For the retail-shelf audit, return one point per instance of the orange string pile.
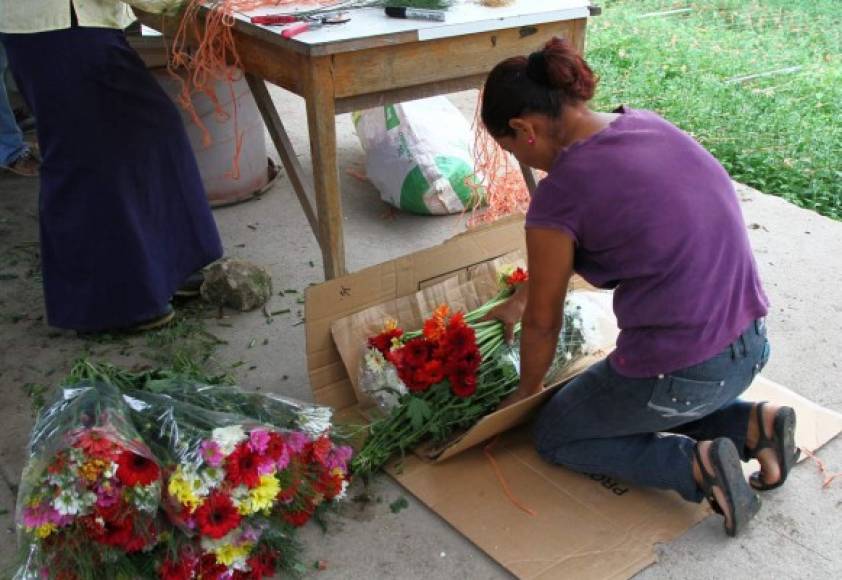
(822, 467)
(497, 181)
(215, 58)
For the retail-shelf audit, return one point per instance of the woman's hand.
(510, 312)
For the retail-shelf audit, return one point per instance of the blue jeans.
(11, 138)
(643, 431)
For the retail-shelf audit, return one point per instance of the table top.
(370, 27)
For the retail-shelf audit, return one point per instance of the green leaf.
(419, 411)
(398, 505)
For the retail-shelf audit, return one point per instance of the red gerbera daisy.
(320, 449)
(276, 446)
(297, 518)
(217, 516)
(328, 485)
(183, 568)
(471, 360)
(210, 569)
(459, 340)
(120, 533)
(516, 277)
(434, 372)
(416, 382)
(262, 565)
(383, 341)
(416, 352)
(463, 384)
(134, 469)
(241, 468)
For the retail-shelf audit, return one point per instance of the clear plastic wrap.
(89, 494)
(269, 408)
(231, 481)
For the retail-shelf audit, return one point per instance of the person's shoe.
(192, 286)
(724, 485)
(27, 165)
(153, 323)
(779, 440)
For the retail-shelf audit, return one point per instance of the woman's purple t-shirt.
(655, 216)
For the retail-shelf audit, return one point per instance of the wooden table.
(374, 60)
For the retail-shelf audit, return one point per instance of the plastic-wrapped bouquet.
(89, 496)
(235, 485)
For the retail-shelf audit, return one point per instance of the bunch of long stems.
(436, 414)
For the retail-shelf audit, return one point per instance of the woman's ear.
(522, 127)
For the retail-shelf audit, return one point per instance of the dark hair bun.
(561, 67)
(536, 68)
(545, 82)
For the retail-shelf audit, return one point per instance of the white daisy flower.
(228, 437)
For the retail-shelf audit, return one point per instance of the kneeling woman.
(632, 203)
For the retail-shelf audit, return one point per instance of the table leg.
(321, 120)
(280, 138)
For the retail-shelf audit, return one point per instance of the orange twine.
(497, 180)
(822, 467)
(501, 478)
(215, 58)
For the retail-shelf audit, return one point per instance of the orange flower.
(435, 326)
(92, 469)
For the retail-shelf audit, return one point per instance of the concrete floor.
(798, 252)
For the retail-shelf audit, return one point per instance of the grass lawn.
(758, 82)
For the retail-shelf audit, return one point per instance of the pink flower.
(339, 457)
(259, 441)
(42, 514)
(266, 465)
(250, 535)
(211, 453)
(107, 496)
(283, 460)
(297, 440)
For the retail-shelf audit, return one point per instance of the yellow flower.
(261, 497)
(181, 488)
(228, 554)
(45, 530)
(92, 468)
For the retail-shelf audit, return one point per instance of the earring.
(531, 141)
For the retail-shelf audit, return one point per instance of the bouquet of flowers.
(89, 495)
(235, 485)
(442, 379)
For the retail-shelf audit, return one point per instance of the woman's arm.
(550, 268)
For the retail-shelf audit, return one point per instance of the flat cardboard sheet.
(584, 527)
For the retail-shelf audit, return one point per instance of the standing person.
(15, 155)
(632, 203)
(123, 213)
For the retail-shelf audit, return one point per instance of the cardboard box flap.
(508, 418)
(338, 298)
(583, 527)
